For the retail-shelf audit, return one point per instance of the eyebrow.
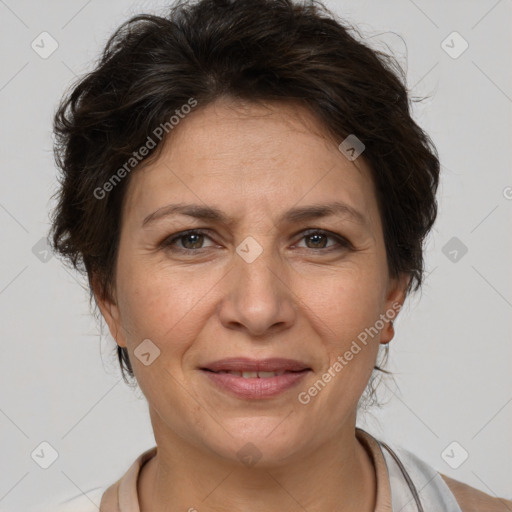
(294, 215)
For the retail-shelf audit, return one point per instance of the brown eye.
(192, 240)
(318, 239)
(187, 241)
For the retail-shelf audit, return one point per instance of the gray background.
(452, 352)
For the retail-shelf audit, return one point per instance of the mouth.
(254, 375)
(260, 366)
(255, 379)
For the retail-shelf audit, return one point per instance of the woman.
(248, 194)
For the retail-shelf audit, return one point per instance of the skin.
(303, 298)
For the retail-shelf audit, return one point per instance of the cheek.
(347, 303)
(351, 348)
(346, 314)
(166, 308)
(163, 306)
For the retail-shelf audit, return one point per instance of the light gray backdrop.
(452, 352)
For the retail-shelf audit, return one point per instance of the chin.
(259, 441)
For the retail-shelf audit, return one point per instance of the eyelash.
(169, 241)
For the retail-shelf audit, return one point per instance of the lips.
(260, 366)
(255, 379)
(255, 375)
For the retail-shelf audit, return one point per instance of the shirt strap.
(416, 486)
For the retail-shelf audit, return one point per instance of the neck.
(338, 476)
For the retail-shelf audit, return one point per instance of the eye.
(317, 239)
(190, 240)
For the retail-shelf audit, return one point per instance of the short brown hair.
(255, 50)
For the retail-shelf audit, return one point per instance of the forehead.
(240, 156)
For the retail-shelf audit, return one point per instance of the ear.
(395, 298)
(110, 312)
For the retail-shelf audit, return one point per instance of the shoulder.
(436, 489)
(474, 500)
(106, 499)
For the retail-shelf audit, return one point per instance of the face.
(252, 285)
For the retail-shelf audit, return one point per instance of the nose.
(257, 296)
